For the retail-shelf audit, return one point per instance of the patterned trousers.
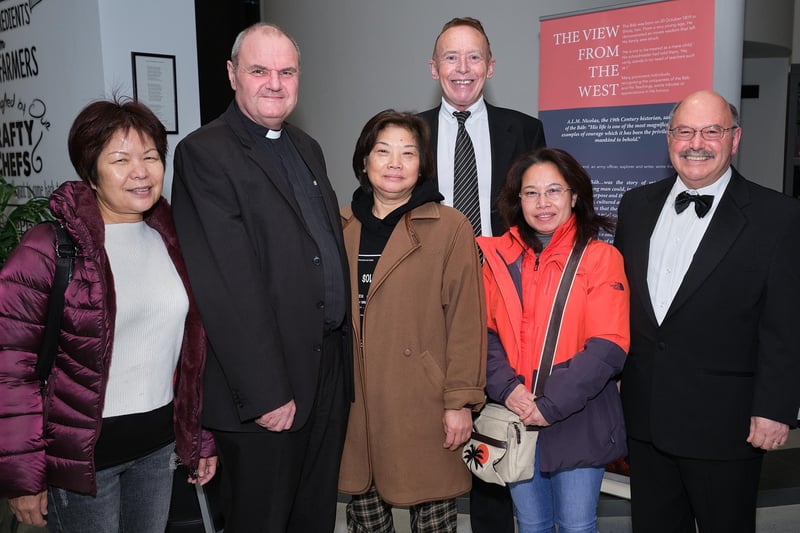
(368, 513)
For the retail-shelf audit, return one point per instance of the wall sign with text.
(608, 80)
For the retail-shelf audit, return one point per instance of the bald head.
(713, 125)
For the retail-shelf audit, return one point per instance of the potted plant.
(14, 220)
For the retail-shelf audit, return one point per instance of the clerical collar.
(258, 129)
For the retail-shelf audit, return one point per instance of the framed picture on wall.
(154, 85)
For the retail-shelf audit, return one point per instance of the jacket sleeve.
(227, 283)
(25, 282)
(606, 319)
(463, 300)
(776, 395)
(207, 446)
(501, 379)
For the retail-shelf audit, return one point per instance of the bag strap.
(65, 258)
(556, 315)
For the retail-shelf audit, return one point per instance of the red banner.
(646, 54)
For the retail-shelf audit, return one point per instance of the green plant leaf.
(15, 220)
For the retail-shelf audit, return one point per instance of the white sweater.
(151, 311)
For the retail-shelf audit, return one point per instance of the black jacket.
(255, 271)
(727, 347)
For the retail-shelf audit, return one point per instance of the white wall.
(81, 51)
(796, 34)
(770, 22)
(761, 151)
(65, 70)
(154, 27)
(361, 56)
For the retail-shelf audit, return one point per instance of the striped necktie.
(465, 175)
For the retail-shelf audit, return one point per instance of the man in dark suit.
(462, 62)
(259, 226)
(710, 383)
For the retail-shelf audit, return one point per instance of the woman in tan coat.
(419, 334)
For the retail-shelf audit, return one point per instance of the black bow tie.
(702, 203)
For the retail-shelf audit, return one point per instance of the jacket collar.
(74, 205)
(510, 245)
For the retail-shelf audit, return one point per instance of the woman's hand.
(457, 427)
(520, 402)
(205, 470)
(30, 509)
(535, 418)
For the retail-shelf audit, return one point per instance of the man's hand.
(767, 434)
(30, 509)
(457, 427)
(279, 419)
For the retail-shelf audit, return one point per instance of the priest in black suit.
(710, 383)
(462, 62)
(259, 226)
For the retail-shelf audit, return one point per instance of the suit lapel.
(317, 169)
(432, 118)
(260, 158)
(638, 250)
(502, 142)
(722, 232)
(402, 243)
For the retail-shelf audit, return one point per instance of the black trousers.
(490, 508)
(287, 481)
(669, 493)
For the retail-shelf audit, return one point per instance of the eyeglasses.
(551, 194)
(709, 133)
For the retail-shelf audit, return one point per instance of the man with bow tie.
(710, 382)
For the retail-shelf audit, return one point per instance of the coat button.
(320, 305)
(662, 345)
(317, 261)
(407, 352)
(317, 347)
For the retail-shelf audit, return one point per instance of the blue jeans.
(133, 497)
(565, 497)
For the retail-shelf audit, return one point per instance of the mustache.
(696, 153)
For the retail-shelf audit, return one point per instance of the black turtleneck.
(375, 232)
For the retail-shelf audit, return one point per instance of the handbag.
(502, 449)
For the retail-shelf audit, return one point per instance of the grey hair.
(266, 27)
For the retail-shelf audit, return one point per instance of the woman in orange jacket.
(547, 203)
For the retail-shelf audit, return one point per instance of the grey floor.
(778, 511)
(783, 519)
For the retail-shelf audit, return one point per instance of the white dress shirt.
(674, 242)
(477, 125)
